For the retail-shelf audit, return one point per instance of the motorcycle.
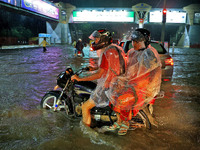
(79, 53)
(74, 94)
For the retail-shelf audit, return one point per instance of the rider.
(79, 46)
(139, 85)
(111, 63)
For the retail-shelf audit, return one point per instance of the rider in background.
(79, 46)
(140, 84)
(74, 45)
(111, 63)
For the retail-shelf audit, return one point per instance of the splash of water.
(97, 138)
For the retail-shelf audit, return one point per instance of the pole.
(173, 48)
(163, 26)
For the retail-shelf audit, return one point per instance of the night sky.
(129, 3)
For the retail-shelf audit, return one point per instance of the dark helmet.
(146, 33)
(137, 36)
(105, 39)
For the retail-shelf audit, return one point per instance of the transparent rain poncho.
(114, 56)
(140, 83)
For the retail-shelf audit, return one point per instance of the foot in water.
(123, 128)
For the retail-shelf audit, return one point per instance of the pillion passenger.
(135, 89)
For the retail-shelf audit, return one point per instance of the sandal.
(113, 127)
(123, 129)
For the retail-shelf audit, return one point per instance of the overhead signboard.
(44, 35)
(41, 7)
(155, 16)
(176, 17)
(103, 16)
(172, 17)
(12, 2)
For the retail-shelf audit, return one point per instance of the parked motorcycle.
(74, 94)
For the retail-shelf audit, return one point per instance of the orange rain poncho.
(140, 84)
(111, 60)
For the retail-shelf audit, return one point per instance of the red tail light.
(122, 44)
(169, 61)
(126, 57)
(166, 79)
(91, 49)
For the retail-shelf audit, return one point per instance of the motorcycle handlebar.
(82, 70)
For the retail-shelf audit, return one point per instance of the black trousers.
(44, 49)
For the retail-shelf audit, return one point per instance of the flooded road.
(27, 74)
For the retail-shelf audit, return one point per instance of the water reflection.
(26, 75)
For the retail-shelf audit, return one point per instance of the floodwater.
(27, 74)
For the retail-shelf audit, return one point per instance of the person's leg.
(82, 53)
(116, 124)
(117, 110)
(86, 107)
(139, 102)
(123, 113)
(44, 49)
(119, 121)
(75, 52)
(125, 117)
(123, 128)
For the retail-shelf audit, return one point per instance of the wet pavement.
(27, 74)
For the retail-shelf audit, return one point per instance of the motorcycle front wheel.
(49, 101)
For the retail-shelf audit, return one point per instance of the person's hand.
(91, 68)
(75, 77)
(106, 84)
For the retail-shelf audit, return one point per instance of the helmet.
(105, 39)
(146, 35)
(137, 36)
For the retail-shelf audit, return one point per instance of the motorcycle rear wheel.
(140, 120)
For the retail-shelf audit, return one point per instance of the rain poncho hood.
(141, 82)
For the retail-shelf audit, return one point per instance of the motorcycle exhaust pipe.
(105, 118)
